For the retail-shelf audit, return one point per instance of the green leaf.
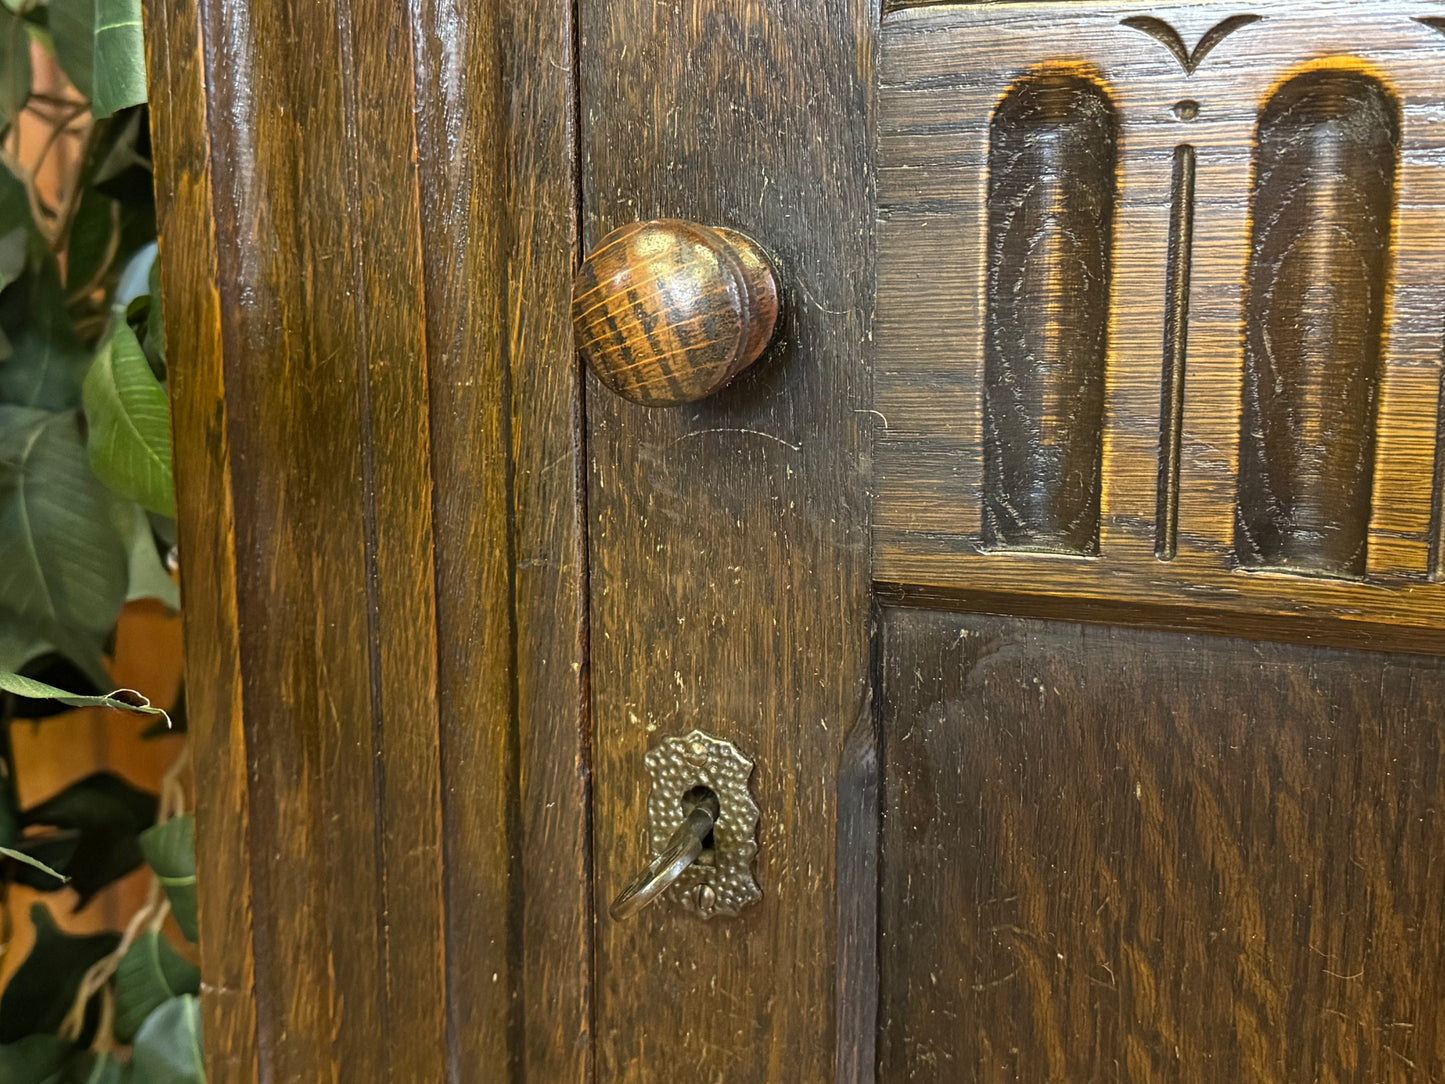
(121, 700)
(9, 808)
(14, 249)
(155, 336)
(170, 848)
(148, 575)
(35, 1059)
(94, 233)
(14, 203)
(120, 165)
(52, 849)
(34, 863)
(151, 972)
(15, 73)
(72, 28)
(109, 815)
(118, 67)
(91, 1068)
(43, 987)
(130, 423)
(47, 360)
(63, 567)
(167, 1049)
(20, 643)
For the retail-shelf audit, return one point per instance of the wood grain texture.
(1120, 854)
(206, 533)
(496, 139)
(390, 283)
(727, 537)
(859, 789)
(1052, 182)
(325, 389)
(1322, 201)
(1196, 75)
(461, 132)
(668, 312)
(549, 512)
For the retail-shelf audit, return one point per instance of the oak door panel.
(1123, 854)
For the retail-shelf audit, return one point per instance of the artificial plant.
(86, 523)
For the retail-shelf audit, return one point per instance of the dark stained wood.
(451, 590)
(727, 537)
(668, 312)
(1288, 469)
(325, 394)
(1122, 854)
(549, 515)
(402, 625)
(206, 527)
(859, 786)
(1323, 198)
(496, 140)
(461, 135)
(372, 249)
(1052, 185)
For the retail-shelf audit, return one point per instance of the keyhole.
(704, 797)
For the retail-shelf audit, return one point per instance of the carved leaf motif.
(1167, 36)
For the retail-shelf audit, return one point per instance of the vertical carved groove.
(1437, 491)
(1052, 177)
(1176, 344)
(1322, 205)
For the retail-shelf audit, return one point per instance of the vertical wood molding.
(206, 531)
(728, 538)
(549, 492)
(461, 146)
(382, 372)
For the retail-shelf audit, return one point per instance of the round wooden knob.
(668, 312)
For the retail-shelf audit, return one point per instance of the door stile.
(729, 561)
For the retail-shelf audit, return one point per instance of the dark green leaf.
(118, 69)
(170, 849)
(109, 814)
(9, 804)
(63, 567)
(43, 987)
(47, 360)
(94, 240)
(148, 575)
(35, 864)
(167, 1049)
(151, 972)
(14, 249)
(20, 643)
(14, 204)
(155, 336)
(15, 74)
(88, 1067)
(35, 1059)
(130, 428)
(121, 699)
(53, 849)
(99, 798)
(72, 29)
(120, 166)
(51, 667)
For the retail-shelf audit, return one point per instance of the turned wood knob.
(668, 312)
